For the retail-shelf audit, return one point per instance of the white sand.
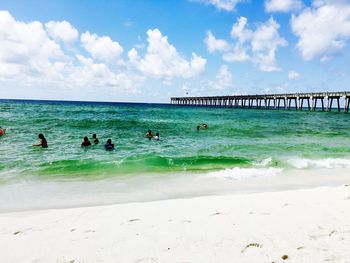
(311, 225)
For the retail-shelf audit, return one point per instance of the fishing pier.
(328, 101)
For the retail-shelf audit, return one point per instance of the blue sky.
(149, 50)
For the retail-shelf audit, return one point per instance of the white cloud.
(293, 75)
(163, 61)
(259, 46)
(242, 34)
(265, 42)
(237, 54)
(282, 5)
(25, 49)
(34, 65)
(63, 31)
(240, 31)
(227, 5)
(223, 79)
(322, 30)
(99, 74)
(213, 44)
(102, 48)
(30, 59)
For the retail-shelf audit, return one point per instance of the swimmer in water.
(94, 138)
(204, 126)
(157, 136)
(149, 134)
(2, 131)
(109, 146)
(86, 142)
(43, 142)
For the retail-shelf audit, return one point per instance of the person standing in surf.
(95, 139)
(43, 142)
(85, 142)
(2, 131)
(149, 134)
(109, 146)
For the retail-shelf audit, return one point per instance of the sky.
(151, 50)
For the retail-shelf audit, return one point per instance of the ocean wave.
(264, 162)
(245, 173)
(329, 163)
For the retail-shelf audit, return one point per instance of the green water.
(235, 138)
(241, 151)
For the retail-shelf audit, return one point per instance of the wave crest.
(245, 173)
(329, 163)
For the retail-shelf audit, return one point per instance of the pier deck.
(297, 101)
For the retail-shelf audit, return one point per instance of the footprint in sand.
(257, 245)
(216, 214)
(146, 260)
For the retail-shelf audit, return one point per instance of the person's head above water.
(43, 142)
(94, 136)
(149, 134)
(86, 139)
(109, 141)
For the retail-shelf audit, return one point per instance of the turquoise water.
(237, 142)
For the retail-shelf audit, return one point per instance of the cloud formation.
(26, 49)
(163, 61)
(259, 45)
(214, 44)
(101, 48)
(282, 5)
(32, 56)
(63, 31)
(323, 30)
(223, 79)
(293, 75)
(226, 5)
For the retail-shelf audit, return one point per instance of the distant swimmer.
(202, 127)
(86, 142)
(109, 146)
(94, 138)
(2, 131)
(149, 134)
(43, 142)
(157, 136)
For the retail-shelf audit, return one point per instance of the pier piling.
(264, 101)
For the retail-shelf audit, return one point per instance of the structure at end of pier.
(297, 101)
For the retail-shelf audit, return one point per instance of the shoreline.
(55, 194)
(306, 225)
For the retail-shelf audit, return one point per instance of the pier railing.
(297, 101)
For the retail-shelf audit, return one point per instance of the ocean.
(241, 150)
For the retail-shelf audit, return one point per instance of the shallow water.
(238, 145)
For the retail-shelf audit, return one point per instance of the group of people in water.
(149, 135)
(86, 142)
(109, 146)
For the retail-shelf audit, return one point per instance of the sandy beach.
(309, 225)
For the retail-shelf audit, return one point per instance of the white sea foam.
(329, 163)
(264, 162)
(245, 173)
